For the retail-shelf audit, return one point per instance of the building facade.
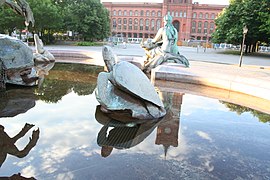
(192, 20)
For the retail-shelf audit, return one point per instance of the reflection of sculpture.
(163, 47)
(42, 71)
(17, 177)
(7, 144)
(127, 89)
(122, 136)
(16, 101)
(22, 8)
(41, 54)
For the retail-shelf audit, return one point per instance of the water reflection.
(168, 129)
(7, 144)
(199, 138)
(240, 109)
(127, 135)
(16, 100)
(121, 136)
(65, 78)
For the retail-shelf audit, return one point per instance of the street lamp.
(206, 42)
(245, 30)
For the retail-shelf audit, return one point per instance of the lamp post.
(206, 42)
(245, 30)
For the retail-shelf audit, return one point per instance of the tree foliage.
(254, 14)
(265, 118)
(87, 17)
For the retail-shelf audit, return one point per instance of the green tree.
(252, 13)
(10, 20)
(47, 19)
(89, 18)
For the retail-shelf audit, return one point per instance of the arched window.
(141, 24)
(176, 14)
(147, 13)
(201, 15)
(142, 13)
(130, 13)
(158, 24)
(194, 15)
(206, 16)
(114, 24)
(205, 27)
(119, 24)
(125, 13)
(114, 12)
(119, 13)
(181, 14)
(176, 24)
(159, 13)
(135, 24)
(185, 14)
(147, 24)
(129, 24)
(213, 16)
(169, 13)
(136, 13)
(124, 24)
(212, 26)
(172, 13)
(193, 27)
(152, 25)
(199, 27)
(153, 13)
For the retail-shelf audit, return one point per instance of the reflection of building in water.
(167, 131)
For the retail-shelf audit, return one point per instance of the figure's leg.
(24, 130)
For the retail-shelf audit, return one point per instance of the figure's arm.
(158, 36)
(24, 130)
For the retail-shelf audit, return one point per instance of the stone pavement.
(210, 69)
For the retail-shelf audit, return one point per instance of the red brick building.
(142, 20)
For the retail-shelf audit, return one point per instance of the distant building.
(193, 21)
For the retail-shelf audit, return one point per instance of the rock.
(17, 58)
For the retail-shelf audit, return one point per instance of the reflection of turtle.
(127, 89)
(122, 136)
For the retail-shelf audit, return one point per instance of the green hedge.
(86, 43)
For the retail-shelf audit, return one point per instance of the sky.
(223, 2)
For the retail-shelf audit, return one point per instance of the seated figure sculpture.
(126, 89)
(163, 47)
